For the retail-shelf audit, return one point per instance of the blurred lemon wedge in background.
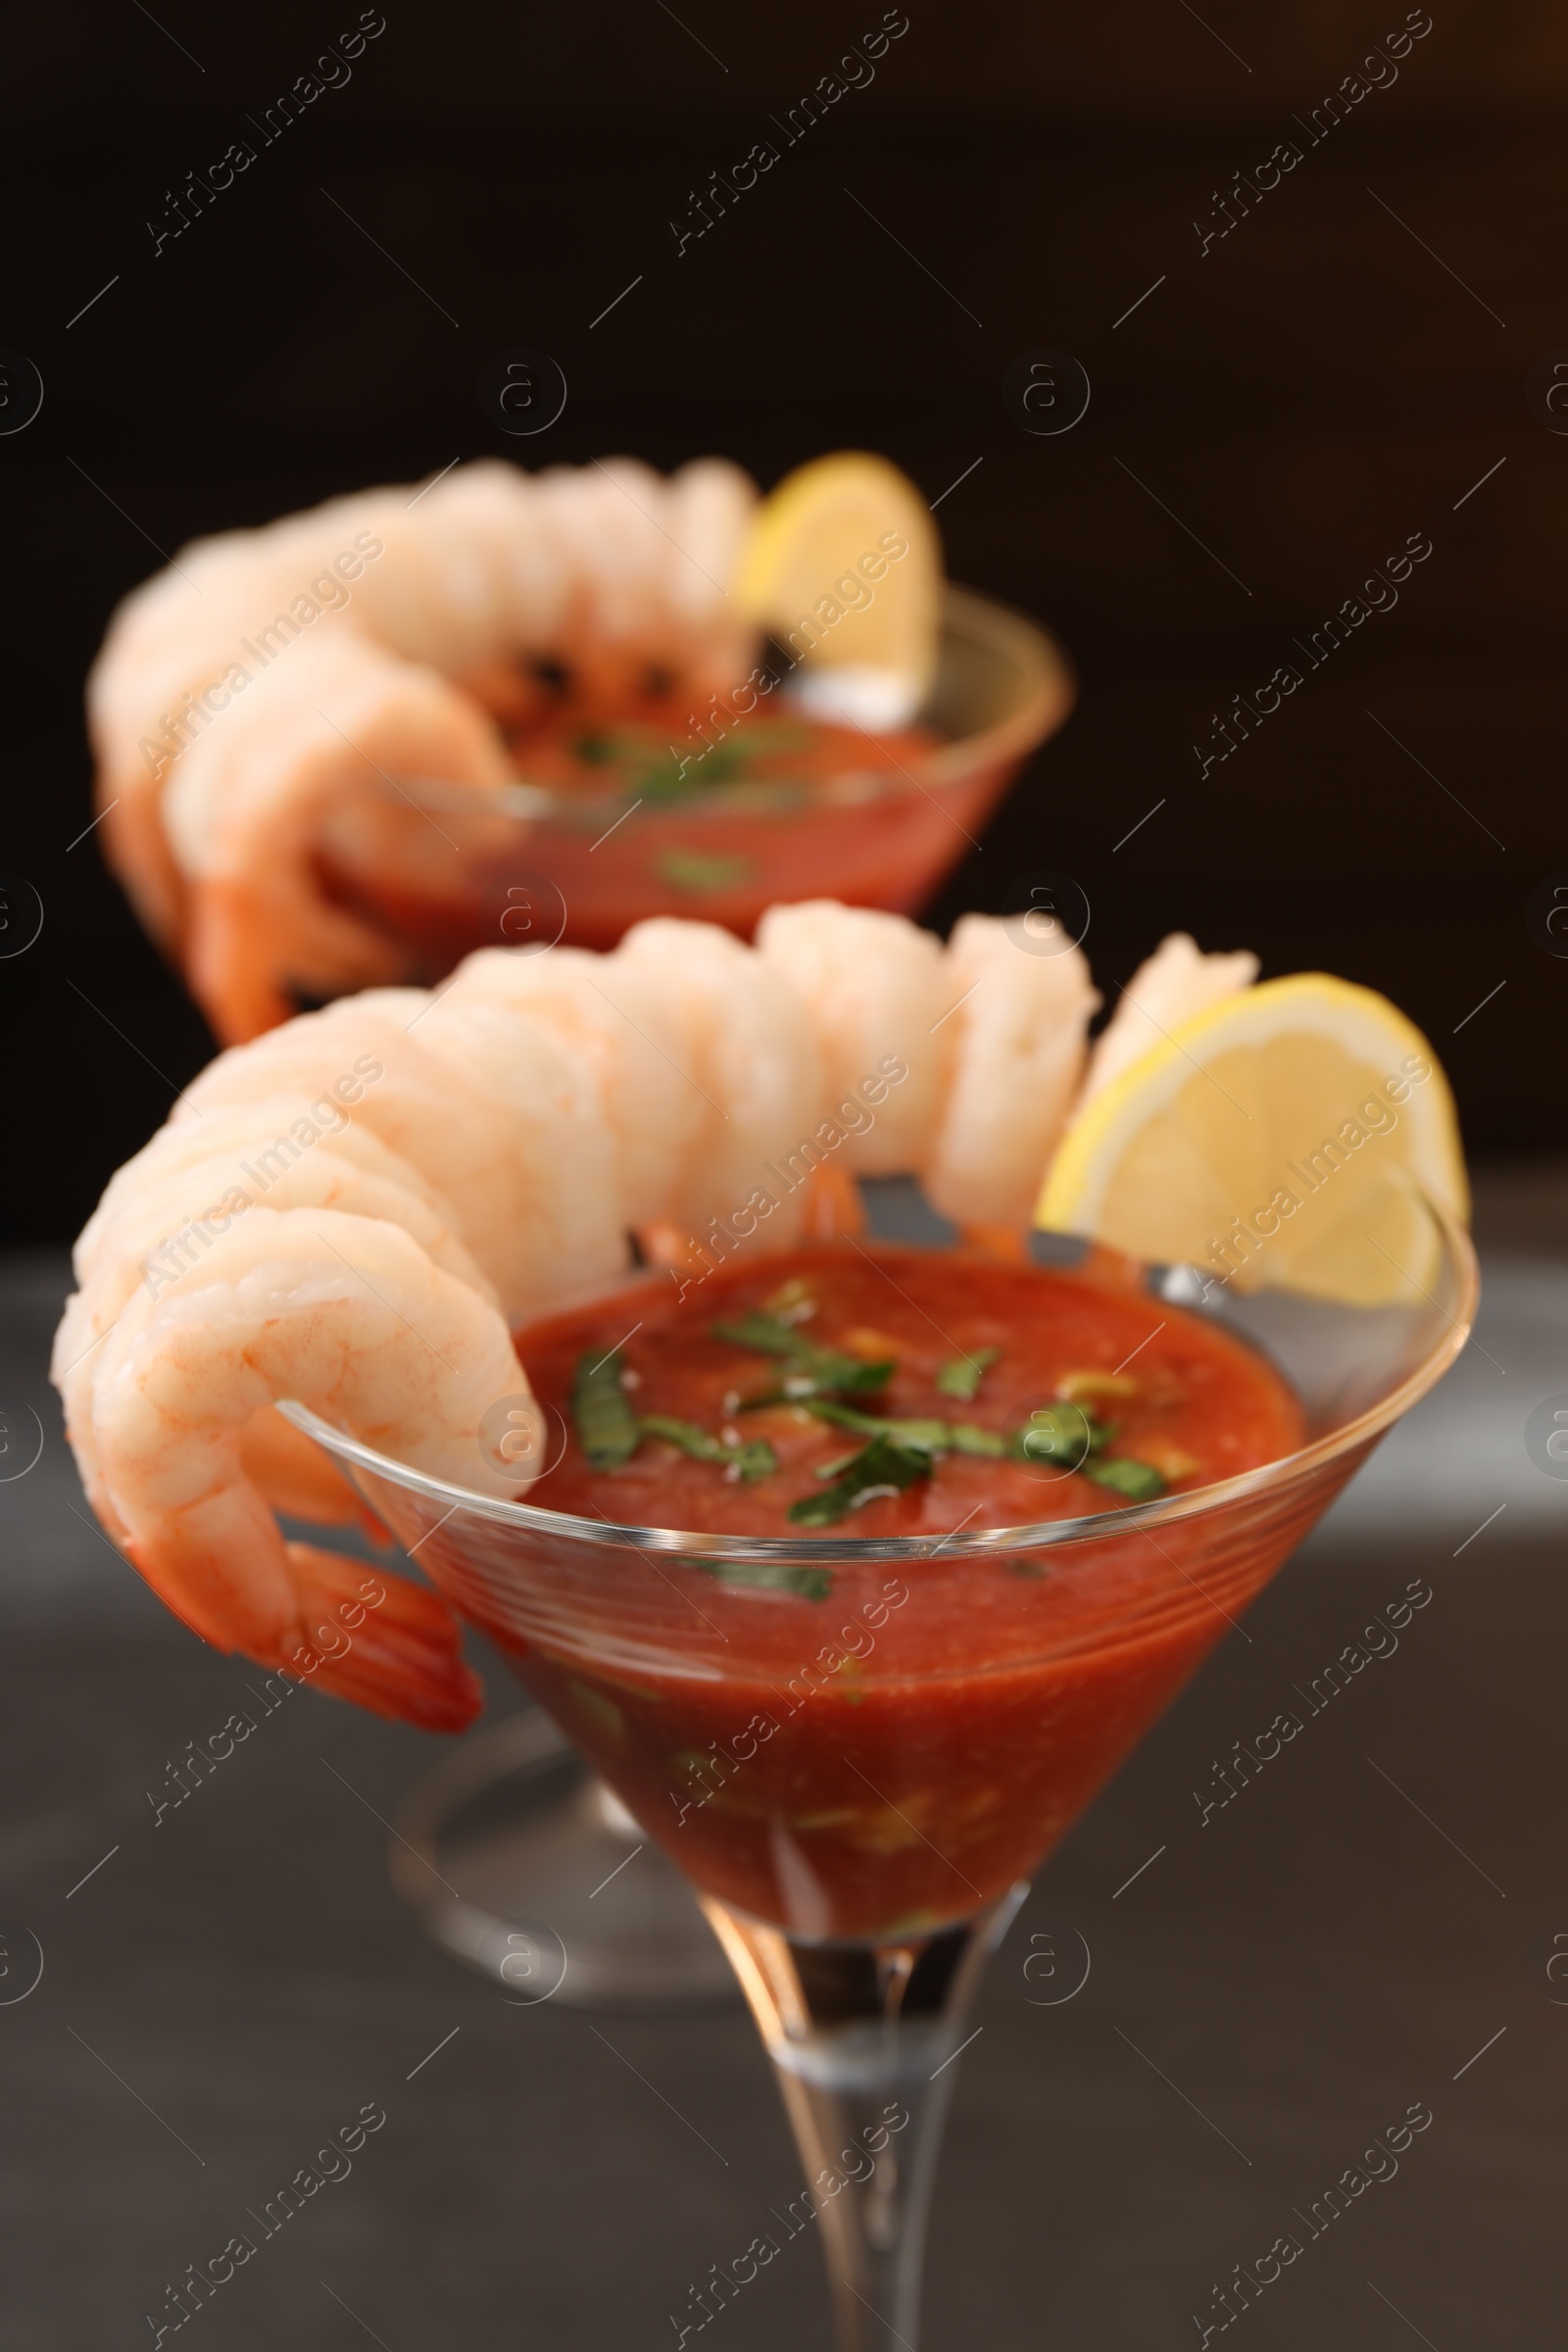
(1281, 1139)
(843, 566)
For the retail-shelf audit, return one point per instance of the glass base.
(521, 1864)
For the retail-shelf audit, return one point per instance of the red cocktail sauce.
(620, 843)
(902, 1745)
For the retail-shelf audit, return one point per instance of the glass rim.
(1049, 693)
(982, 1542)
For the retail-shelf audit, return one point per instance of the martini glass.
(860, 1838)
(530, 863)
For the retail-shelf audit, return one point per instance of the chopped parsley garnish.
(960, 1376)
(1138, 1482)
(769, 738)
(699, 872)
(767, 1335)
(597, 747)
(753, 1461)
(901, 1451)
(674, 777)
(610, 1432)
(969, 1437)
(677, 776)
(927, 1436)
(810, 1371)
(1058, 1432)
(1054, 1432)
(884, 1467)
(898, 1453)
(810, 1583)
(656, 772)
(607, 1426)
(653, 768)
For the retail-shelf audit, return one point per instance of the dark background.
(1304, 396)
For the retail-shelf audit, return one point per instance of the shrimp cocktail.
(354, 745)
(853, 1567)
(887, 1392)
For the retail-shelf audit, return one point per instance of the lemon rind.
(1369, 1025)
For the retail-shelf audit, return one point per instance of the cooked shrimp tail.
(384, 1644)
(1175, 983)
(225, 773)
(349, 1315)
(298, 1479)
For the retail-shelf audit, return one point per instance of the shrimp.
(1019, 1060)
(874, 987)
(341, 715)
(349, 1315)
(652, 564)
(989, 1035)
(353, 1210)
(652, 1125)
(237, 1129)
(743, 1048)
(179, 650)
(168, 1226)
(526, 1181)
(270, 681)
(1176, 982)
(212, 1167)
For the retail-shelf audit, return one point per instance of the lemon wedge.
(1281, 1138)
(843, 566)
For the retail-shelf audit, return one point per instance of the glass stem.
(862, 2038)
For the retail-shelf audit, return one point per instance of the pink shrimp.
(351, 1209)
(347, 1315)
(270, 681)
(1176, 982)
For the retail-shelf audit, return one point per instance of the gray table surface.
(1270, 1993)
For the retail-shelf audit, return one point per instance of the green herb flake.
(1137, 1481)
(969, 1437)
(663, 779)
(811, 1371)
(701, 873)
(682, 774)
(769, 738)
(824, 1375)
(753, 1461)
(1054, 1433)
(807, 1583)
(607, 1427)
(726, 763)
(597, 748)
(767, 1335)
(881, 1465)
(686, 1435)
(960, 1376)
(928, 1437)
(601, 1712)
(853, 1372)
